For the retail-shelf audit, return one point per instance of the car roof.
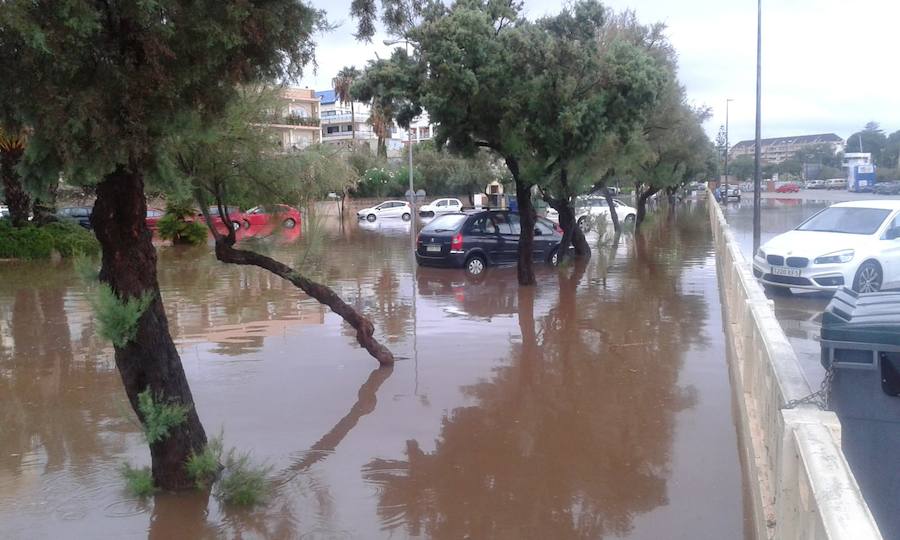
(876, 203)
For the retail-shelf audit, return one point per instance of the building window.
(348, 128)
(333, 129)
(423, 132)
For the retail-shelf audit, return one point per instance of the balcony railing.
(293, 120)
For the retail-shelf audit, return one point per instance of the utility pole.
(756, 179)
(727, 101)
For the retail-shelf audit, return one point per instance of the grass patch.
(32, 242)
(203, 468)
(138, 482)
(159, 416)
(242, 483)
(117, 320)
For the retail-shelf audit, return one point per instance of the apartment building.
(778, 149)
(339, 120)
(297, 120)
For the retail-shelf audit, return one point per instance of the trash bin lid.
(872, 318)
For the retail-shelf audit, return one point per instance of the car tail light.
(557, 228)
(456, 243)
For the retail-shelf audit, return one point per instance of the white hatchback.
(852, 244)
(387, 209)
(589, 208)
(440, 206)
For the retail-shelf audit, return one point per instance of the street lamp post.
(756, 177)
(727, 101)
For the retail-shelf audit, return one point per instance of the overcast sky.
(828, 65)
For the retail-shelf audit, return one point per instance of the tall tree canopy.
(103, 85)
(871, 139)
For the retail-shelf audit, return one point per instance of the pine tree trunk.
(617, 226)
(150, 361)
(572, 233)
(642, 205)
(17, 198)
(527, 219)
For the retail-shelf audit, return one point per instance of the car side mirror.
(893, 233)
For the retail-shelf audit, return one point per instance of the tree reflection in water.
(572, 437)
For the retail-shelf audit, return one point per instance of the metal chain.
(821, 398)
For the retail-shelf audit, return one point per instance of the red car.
(787, 188)
(260, 216)
(234, 214)
(153, 217)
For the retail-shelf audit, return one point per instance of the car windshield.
(449, 222)
(846, 220)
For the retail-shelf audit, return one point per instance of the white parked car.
(587, 208)
(4, 210)
(440, 206)
(852, 244)
(387, 209)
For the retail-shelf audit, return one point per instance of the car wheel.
(406, 216)
(246, 224)
(584, 224)
(629, 219)
(370, 217)
(235, 225)
(868, 278)
(554, 257)
(475, 265)
(289, 223)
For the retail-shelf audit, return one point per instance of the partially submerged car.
(479, 239)
(387, 209)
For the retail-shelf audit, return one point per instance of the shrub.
(176, 226)
(159, 416)
(32, 242)
(203, 468)
(138, 482)
(118, 319)
(242, 483)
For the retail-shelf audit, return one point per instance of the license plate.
(784, 271)
(433, 248)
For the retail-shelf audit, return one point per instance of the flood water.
(595, 405)
(800, 313)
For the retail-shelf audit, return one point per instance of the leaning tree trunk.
(642, 205)
(17, 198)
(617, 226)
(227, 253)
(527, 219)
(572, 233)
(150, 361)
(45, 210)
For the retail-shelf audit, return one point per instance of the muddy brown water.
(595, 405)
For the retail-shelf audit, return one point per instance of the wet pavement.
(595, 405)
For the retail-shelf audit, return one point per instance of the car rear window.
(447, 222)
(846, 220)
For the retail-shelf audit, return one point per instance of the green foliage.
(138, 482)
(32, 242)
(98, 97)
(159, 416)
(242, 483)
(203, 468)
(382, 182)
(176, 227)
(86, 268)
(117, 320)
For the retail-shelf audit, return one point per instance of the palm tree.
(342, 83)
(12, 147)
(380, 118)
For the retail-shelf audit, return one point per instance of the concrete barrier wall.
(799, 480)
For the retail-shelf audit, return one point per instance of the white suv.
(440, 206)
